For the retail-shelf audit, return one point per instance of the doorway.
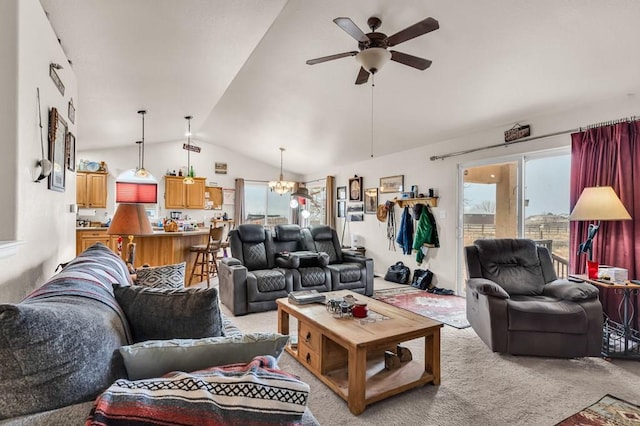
(524, 196)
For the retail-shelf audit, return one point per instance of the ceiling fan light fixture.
(281, 186)
(373, 59)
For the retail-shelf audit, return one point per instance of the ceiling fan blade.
(412, 61)
(330, 57)
(363, 76)
(415, 30)
(352, 29)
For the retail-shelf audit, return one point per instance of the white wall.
(160, 157)
(442, 175)
(42, 219)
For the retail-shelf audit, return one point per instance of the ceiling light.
(373, 59)
(188, 180)
(306, 214)
(140, 170)
(294, 203)
(281, 186)
(137, 185)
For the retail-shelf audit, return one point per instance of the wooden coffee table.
(347, 354)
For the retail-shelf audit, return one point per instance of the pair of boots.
(393, 360)
(441, 291)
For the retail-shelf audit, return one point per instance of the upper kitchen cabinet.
(91, 189)
(177, 195)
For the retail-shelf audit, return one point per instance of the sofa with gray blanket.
(67, 343)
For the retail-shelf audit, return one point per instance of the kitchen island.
(161, 248)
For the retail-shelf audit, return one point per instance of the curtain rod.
(548, 135)
(316, 180)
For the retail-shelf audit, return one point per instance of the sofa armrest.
(287, 260)
(575, 292)
(353, 256)
(487, 287)
(232, 284)
(231, 261)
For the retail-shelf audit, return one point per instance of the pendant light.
(281, 186)
(137, 185)
(188, 180)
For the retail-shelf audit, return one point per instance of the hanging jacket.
(405, 234)
(426, 233)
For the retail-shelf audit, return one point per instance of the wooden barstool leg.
(205, 266)
(193, 269)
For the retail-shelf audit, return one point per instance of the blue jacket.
(405, 234)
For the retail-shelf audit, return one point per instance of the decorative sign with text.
(517, 132)
(191, 148)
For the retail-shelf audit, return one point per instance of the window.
(317, 205)
(265, 207)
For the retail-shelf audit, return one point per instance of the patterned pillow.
(167, 276)
(254, 393)
(155, 358)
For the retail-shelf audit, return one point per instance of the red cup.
(592, 270)
(359, 310)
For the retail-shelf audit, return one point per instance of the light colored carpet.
(478, 387)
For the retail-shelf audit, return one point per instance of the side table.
(619, 340)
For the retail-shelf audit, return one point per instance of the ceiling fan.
(374, 46)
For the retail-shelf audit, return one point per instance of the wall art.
(57, 143)
(392, 184)
(355, 189)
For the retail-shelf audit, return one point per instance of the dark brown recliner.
(516, 304)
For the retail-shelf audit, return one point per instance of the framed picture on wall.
(355, 189)
(392, 184)
(370, 200)
(70, 152)
(342, 206)
(57, 144)
(342, 193)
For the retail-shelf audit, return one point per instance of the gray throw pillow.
(155, 358)
(167, 276)
(164, 313)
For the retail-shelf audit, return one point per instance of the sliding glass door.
(523, 196)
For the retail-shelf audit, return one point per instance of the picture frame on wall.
(342, 206)
(70, 152)
(57, 146)
(355, 212)
(341, 193)
(370, 200)
(355, 188)
(392, 184)
(71, 113)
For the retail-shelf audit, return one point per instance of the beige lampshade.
(130, 219)
(599, 203)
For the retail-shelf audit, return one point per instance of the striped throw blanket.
(238, 394)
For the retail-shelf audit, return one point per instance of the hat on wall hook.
(44, 165)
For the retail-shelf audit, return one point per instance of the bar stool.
(205, 262)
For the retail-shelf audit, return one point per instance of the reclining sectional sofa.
(267, 265)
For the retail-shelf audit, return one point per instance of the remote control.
(575, 280)
(635, 282)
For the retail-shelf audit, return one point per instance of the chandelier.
(281, 186)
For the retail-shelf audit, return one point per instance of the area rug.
(450, 310)
(608, 411)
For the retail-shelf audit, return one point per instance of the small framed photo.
(57, 143)
(355, 212)
(392, 184)
(342, 206)
(370, 200)
(341, 193)
(221, 168)
(70, 152)
(56, 79)
(228, 196)
(71, 112)
(355, 188)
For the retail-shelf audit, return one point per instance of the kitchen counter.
(160, 248)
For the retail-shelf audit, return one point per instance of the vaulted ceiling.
(239, 68)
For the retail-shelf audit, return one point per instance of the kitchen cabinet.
(177, 195)
(91, 189)
(213, 197)
(85, 238)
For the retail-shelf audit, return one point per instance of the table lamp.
(597, 203)
(130, 219)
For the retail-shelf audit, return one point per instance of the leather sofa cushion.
(312, 276)
(288, 232)
(321, 233)
(251, 233)
(512, 264)
(349, 272)
(268, 280)
(545, 314)
(255, 256)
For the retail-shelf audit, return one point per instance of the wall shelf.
(410, 202)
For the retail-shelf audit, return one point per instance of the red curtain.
(608, 156)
